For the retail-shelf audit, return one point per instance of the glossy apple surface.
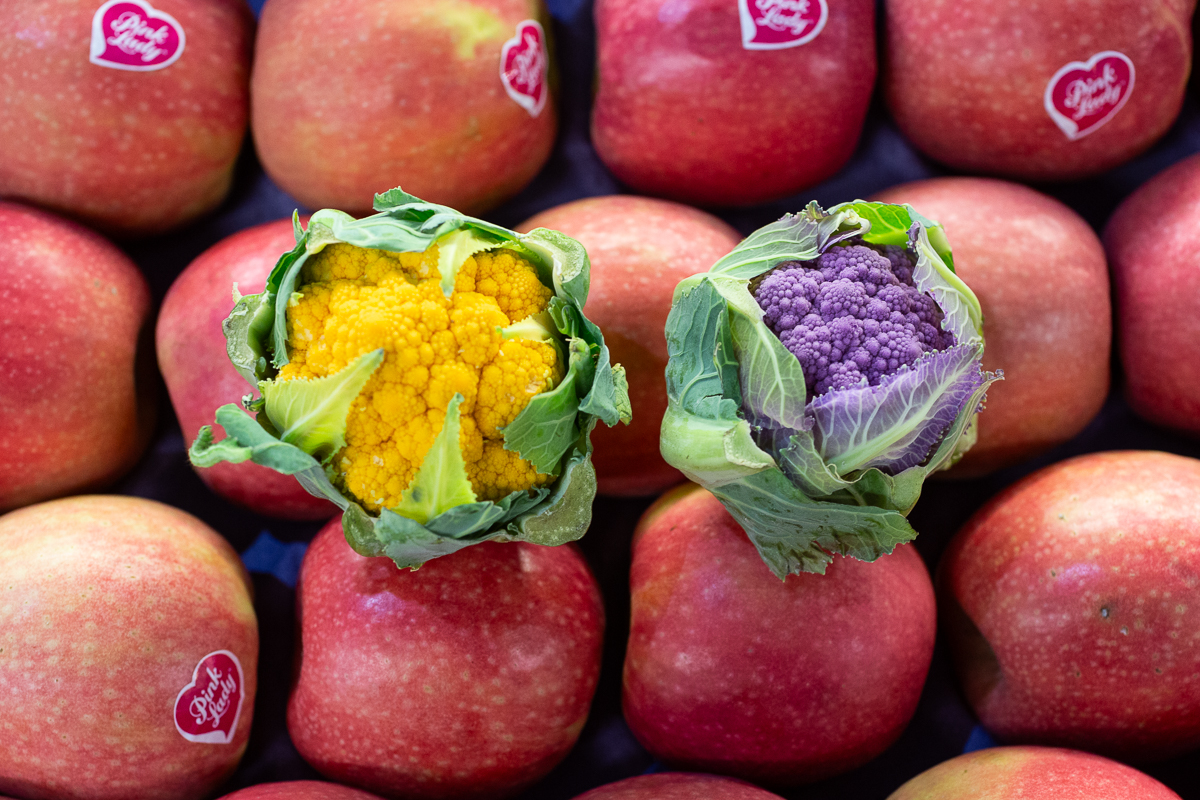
(468, 678)
(678, 786)
(685, 111)
(1040, 275)
(299, 790)
(199, 375)
(731, 670)
(1031, 773)
(1072, 606)
(76, 416)
(108, 608)
(130, 151)
(354, 97)
(1153, 243)
(639, 249)
(966, 81)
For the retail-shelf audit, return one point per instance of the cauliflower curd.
(351, 300)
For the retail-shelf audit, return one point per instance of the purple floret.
(852, 317)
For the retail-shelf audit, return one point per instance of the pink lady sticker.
(776, 24)
(208, 708)
(133, 35)
(523, 63)
(1084, 95)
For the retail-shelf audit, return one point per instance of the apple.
(1054, 92)
(678, 786)
(76, 402)
(298, 790)
(140, 132)
(731, 670)
(1031, 773)
(1041, 278)
(1072, 606)
(128, 652)
(450, 101)
(199, 375)
(730, 102)
(469, 678)
(639, 249)
(1153, 243)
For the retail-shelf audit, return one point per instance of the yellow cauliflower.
(351, 300)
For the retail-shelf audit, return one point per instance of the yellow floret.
(350, 301)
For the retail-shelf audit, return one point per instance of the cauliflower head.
(351, 300)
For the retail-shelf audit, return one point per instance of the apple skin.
(1047, 321)
(298, 790)
(965, 80)
(1153, 241)
(1031, 773)
(733, 671)
(469, 678)
(1071, 606)
(354, 97)
(77, 407)
(675, 87)
(640, 249)
(107, 605)
(199, 375)
(678, 786)
(128, 152)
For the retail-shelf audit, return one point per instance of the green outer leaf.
(771, 378)
(311, 414)
(546, 428)
(245, 329)
(246, 441)
(455, 248)
(795, 237)
(889, 223)
(441, 482)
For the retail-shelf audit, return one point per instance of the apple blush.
(678, 786)
(298, 790)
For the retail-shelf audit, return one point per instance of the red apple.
(1153, 242)
(196, 367)
(128, 652)
(1031, 773)
(469, 678)
(687, 108)
(354, 97)
(1040, 275)
(298, 790)
(1050, 92)
(1073, 607)
(639, 249)
(678, 786)
(731, 670)
(76, 416)
(142, 135)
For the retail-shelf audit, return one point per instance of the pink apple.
(199, 375)
(1073, 608)
(731, 670)
(1031, 773)
(639, 249)
(134, 129)
(1049, 92)
(1153, 242)
(678, 786)
(76, 402)
(1041, 278)
(299, 790)
(128, 652)
(469, 678)
(686, 107)
(354, 97)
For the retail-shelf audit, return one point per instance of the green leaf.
(795, 237)
(566, 514)
(245, 329)
(889, 223)
(245, 440)
(697, 324)
(568, 260)
(311, 414)
(454, 249)
(441, 482)
(710, 452)
(545, 429)
(771, 378)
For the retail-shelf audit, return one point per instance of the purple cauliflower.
(852, 317)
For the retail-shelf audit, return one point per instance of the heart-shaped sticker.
(1084, 95)
(776, 24)
(523, 63)
(133, 35)
(208, 708)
